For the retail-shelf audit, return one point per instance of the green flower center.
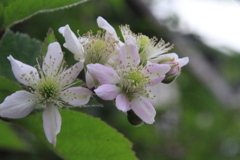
(48, 88)
(134, 82)
(136, 78)
(99, 45)
(97, 51)
(98, 48)
(144, 43)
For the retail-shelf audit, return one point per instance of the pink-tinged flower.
(148, 49)
(49, 85)
(174, 62)
(128, 83)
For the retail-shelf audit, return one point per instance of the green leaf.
(84, 137)
(9, 139)
(7, 88)
(49, 39)
(21, 47)
(1, 16)
(15, 11)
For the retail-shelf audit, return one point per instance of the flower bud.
(174, 62)
(133, 119)
(172, 74)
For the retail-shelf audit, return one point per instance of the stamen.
(98, 48)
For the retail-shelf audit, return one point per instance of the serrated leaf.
(9, 139)
(18, 10)
(21, 47)
(7, 88)
(49, 39)
(83, 137)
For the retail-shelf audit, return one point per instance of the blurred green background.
(193, 122)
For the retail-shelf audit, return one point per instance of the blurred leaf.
(21, 47)
(8, 138)
(6, 88)
(49, 39)
(93, 103)
(83, 137)
(1, 15)
(19, 10)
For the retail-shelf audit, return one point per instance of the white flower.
(128, 84)
(110, 31)
(49, 85)
(90, 48)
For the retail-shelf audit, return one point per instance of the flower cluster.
(115, 70)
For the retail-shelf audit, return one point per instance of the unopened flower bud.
(172, 74)
(133, 119)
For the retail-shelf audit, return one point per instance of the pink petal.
(72, 42)
(90, 80)
(18, 105)
(156, 72)
(129, 39)
(71, 74)
(24, 73)
(143, 109)
(122, 103)
(53, 59)
(107, 91)
(129, 55)
(51, 123)
(103, 74)
(76, 96)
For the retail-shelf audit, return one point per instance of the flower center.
(144, 41)
(134, 82)
(136, 78)
(99, 45)
(98, 49)
(48, 88)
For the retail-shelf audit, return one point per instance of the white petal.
(165, 58)
(103, 74)
(51, 123)
(110, 31)
(62, 29)
(71, 74)
(72, 42)
(129, 55)
(183, 61)
(102, 23)
(53, 60)
(18, 105)
(107, 91)
(24, 73)
(122, 103)
(76, 96)
(143, 109)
